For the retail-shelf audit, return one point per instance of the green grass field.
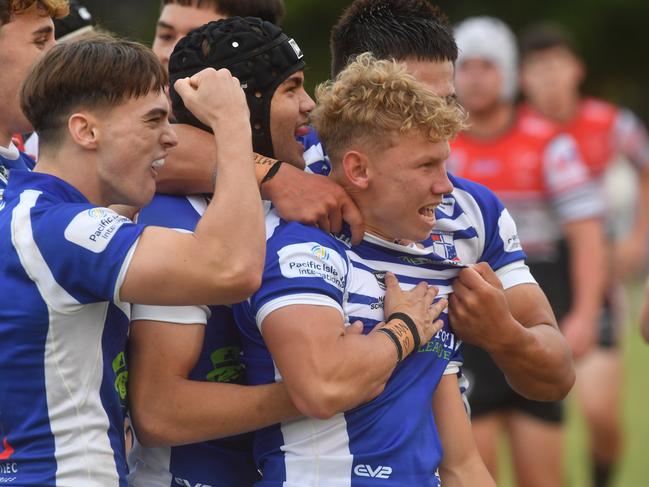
(634, 468)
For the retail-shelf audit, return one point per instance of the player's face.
(174, 23)
(479, 84)
(22, 41)
(551, 78)
(289, 115)
(406, 183)
(436, 75)
(133, 140)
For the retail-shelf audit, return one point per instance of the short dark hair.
(94, 73)
(53, 8)
(543, 36)
(392, 29)
(269, 10)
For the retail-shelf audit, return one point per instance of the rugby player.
(529, 349)
(69, 266)
(551, 75)
(26, 32)
(387, 137)
(172, 405)
(544, 183)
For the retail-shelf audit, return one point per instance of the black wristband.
(396, 341)
(271, 172)
(411, 326)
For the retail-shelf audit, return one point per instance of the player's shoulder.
(467, 188)
(532, 125)
(292, 233)
(593, 109)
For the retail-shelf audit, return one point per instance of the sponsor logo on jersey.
(4, 174)
(380, 279)
(93, 229)
(313, 260)
(7, 451)
(121, 376)
(7, 468)
(320, 252)
(187, 483)
(227, 367)
(380, 472)
(508, 234)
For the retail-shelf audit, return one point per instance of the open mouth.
(158, 163)
(302, 130)
(428, 213)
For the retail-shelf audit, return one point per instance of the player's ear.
(355, 165)
(83, 129)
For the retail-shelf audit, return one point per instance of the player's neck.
(77, 172)
(5, 136)
(491, 123)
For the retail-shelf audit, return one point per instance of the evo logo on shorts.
(379, 472)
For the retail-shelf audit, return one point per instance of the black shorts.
(489, 392)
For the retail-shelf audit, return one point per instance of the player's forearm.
(183, 411)
(350, 373)
(588, 267)
(232, 228)
(469, 474)
(537, 362)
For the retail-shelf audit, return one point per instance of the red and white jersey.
(603, 131)
(540, 176)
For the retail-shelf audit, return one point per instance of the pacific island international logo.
(97, 213)
(320, 252)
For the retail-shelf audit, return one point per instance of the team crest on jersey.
(444, 245)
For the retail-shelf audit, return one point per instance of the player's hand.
(478, 309)
(417, 304)
(216, 99)
(313, 200)
(580, 332)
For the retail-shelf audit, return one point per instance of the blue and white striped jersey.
(11, 159)
(317, 161)
(63, 332)
(391, 440)
(219, 463)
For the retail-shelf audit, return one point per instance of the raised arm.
(327, 371)
(222, 261)
(517, 328)
(169, 409)
(461, 465)
(298, 196)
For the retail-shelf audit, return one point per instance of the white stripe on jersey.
(316, 451)
(73, 364)
(149, 467)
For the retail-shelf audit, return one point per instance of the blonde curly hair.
(375, 101)
(52, 8)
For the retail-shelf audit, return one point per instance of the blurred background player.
(547, 188)
(26, 32)
(551, 75)
(173, 405)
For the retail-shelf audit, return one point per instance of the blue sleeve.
(86, 248)
(173, 212)
(303, 266)
(501, 243)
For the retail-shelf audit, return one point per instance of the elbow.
(150, 430)
(319, 401)
(242, 281)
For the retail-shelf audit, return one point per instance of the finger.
(431, 293)
(353, 217)
(391, 283)
(431, 329)
(356, 328)
(460, 290)
(183, 87)
(470, 278)
(336, 219)
(487, 273)
(324, 224)
(420, 289)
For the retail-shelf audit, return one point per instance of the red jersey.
(540, 176)
(603, 131)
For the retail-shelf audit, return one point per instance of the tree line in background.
(608, 33)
